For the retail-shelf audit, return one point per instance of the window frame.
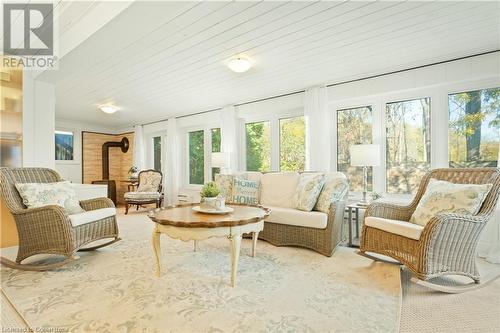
(336, 142)
(273, 119)
(150, 149)
(384, 150)
(305, 142)
(207, 149)
(458, 88)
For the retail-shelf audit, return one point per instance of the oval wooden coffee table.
(185, 224)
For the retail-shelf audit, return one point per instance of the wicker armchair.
(448, 242)
(48, 229)
(149, 190)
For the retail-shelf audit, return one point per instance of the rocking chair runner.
(447, 244)
(48, 229)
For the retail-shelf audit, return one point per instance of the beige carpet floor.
(424, 310)
(280, 290)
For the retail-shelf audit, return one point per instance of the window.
(196, 157)
(157, 153)
(354, 126)
(258, 146)
(64, 146)
(407, 144)
(474, 128)
(292, 144)
(216, 142)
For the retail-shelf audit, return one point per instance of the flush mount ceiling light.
(108, 108)
(239, 64)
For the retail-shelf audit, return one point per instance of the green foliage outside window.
(216, 147)
(196, 157)
(292, 144)
(474, 128)
(354, 126)
(258, 146)
(157, 153)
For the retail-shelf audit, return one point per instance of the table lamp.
(365, 156)
(220, 160)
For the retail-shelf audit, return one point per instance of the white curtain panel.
(489, 243)
(318, 133)
(229, 135)
(139, 149)
(171, 167)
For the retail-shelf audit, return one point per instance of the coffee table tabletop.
(181, 222)
(185, 216)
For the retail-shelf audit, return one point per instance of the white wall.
(38, 122)
(72, 170)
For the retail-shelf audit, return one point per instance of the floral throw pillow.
(225, 185)
(334, 190)
(308, 191)
(44, 194)
(444, 197)
(245, 192)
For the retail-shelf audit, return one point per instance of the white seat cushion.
(142, 195)
(297, 217)
(402, 228)
(277, 189)
(91, 216)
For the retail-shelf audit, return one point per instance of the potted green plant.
(209, 196)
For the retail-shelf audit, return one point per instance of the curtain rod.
(334, 84)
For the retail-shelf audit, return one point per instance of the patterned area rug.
(281, 289)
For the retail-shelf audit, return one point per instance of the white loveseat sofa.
(288, 226)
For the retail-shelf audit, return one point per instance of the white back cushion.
(278, 189)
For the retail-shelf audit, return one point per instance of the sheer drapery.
(139, 149)
(489, 243)
(171, 167)
(229, 136)
(318, 133)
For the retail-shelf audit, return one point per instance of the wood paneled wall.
(119, 163)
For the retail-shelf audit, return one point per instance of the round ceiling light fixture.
(239, 64)
(108, 108)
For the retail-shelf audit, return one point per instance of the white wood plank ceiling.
(159, 59)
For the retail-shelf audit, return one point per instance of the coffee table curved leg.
(155, 239)
(255, 237)
(235, 255)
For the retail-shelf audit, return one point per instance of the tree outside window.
(258, 146)
(408, 144)
(196, 157)
(292, 144)
(354, 126)
(474, 128)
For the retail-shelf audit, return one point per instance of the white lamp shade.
(365, 155)
(220, 160)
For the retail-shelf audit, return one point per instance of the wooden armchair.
(448, 242)
(149, 190)
(49, 229)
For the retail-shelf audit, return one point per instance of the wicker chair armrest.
(389, 211)
(336, 209)
(447, 238)
(97, 203)
(47, 224)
